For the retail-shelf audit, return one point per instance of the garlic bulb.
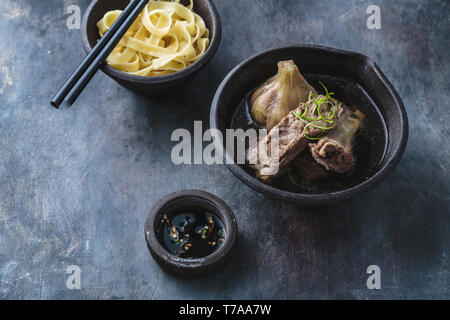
(279, 95)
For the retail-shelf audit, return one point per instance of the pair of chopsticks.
(86, 70)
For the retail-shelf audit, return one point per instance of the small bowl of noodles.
(168, 43)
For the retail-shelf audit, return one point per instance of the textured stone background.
(77, 184)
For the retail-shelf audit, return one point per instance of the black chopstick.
(86, 70)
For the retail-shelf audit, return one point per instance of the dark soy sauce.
(191, 234)
(370, 142)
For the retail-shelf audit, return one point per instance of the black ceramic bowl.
(150, 85)
(186, 200)
(359, 70)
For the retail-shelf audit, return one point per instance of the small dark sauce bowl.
(188, 199)
(151, 85)
(316, 61)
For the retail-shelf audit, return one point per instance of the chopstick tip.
(54, 104)
(64, 104)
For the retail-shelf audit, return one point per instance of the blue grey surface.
(76, 184)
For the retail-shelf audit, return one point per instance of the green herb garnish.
(320, 107)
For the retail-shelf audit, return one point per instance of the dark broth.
(370, 141)
(191, 233)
